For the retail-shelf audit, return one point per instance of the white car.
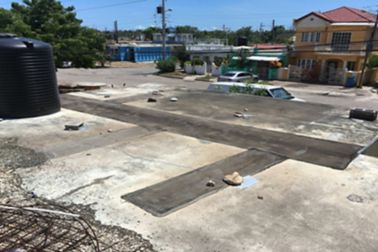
(238, 76)
(275, 92)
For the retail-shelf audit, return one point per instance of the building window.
(310, 36)
(351, 65)
(306, 63)
(341, 41)
(318, 37)
(305, 36)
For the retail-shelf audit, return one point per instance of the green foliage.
(6, 20)
(260, 92)
(197, 61)
(218, 61)
(373, 61)
(50, 21)
(235, 89)
(186, 29)
(279, 34)
(243, 61)
(248, 89)
(166, 66)
(181, 55)
(149, 31)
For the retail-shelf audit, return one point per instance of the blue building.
(138, 53)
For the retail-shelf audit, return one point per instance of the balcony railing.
(340, 48)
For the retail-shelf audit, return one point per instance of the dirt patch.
(24, 224)
(174, 75)
(129, 64)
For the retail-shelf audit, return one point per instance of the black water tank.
(28, 85)
(242, 41)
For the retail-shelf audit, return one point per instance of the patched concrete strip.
(317, 151)
(173, 194)
(371, 149)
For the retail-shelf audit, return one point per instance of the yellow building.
(327, 42)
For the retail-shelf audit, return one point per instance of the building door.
(263, 69)
(334, 73)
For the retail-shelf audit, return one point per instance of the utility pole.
(369, 49)
(273, 30)
(163, 27)
(225, 29)
(261, 27)
(116, 38)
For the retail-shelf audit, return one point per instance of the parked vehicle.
(238, 76)
(275, 92)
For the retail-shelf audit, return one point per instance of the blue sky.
(205, 14)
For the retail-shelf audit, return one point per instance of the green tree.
(12, 23)
(50, 21)
(186, 29)
(149, 31)
(373, 61)
(180, 53)
(166, 66)
(6, 19)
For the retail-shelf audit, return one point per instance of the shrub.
(373, 61)
(248, 90)
(197, 62)
(181, 54)
(218, 61)
(188, 62)
(166, 66)
(235, 89)
(173, 58)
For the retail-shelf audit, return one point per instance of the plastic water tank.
(28, 85)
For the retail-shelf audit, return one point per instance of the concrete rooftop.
(299, 203)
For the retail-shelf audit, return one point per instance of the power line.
(112, 5)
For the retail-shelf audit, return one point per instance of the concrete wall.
(216, 71)
(283, 73)
(188, 68)
(210, 56)
(371, 77)
(309, 25)
(312, 21)
(201, 70)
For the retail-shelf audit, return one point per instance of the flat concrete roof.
(307, 119)
(167, 150)
(318, 151)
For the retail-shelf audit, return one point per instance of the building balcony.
(349, 49)
(338, 49)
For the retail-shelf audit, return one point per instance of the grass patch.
(175, 75)
(260, 82)
(206, 78)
